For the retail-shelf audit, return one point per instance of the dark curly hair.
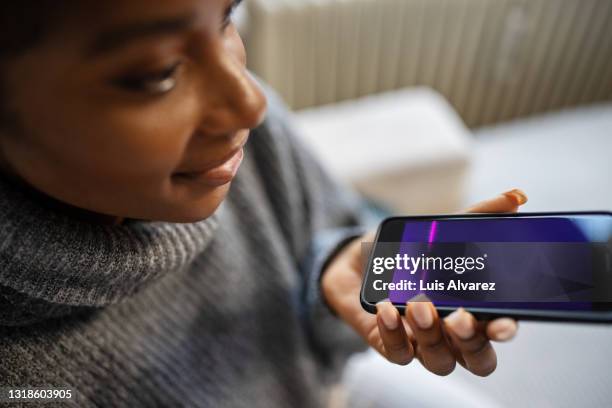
(23, 23)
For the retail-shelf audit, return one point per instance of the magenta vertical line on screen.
(432, 233)
(400, 296)
(432, 236)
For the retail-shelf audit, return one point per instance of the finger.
(396, 345)
(473, 344)
(433, 348)
(505, 202)
(502, 329)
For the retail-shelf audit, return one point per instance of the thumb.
(505, 202)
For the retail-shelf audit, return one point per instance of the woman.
(131, 273)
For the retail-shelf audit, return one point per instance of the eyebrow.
(119, 36)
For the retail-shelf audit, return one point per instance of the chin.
(195, 210)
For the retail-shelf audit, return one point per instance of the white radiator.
(492, 59)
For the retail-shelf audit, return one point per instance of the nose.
(234, 99)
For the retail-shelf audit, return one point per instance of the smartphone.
(531, 266)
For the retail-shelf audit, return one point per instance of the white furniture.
(493, 59)
(562, 161)
(406, 149)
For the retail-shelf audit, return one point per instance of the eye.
(151, 83)
(227, 15)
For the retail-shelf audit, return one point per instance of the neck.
(49, 256)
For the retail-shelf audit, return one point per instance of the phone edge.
(519, 314)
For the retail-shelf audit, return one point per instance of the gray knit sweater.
(224, 312)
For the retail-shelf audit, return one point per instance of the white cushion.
(407, 149)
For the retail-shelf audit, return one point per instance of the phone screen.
(520, 261)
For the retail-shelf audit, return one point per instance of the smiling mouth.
(217, 174)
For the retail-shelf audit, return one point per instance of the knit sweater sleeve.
(332, 339)
(324, 215)
(336, 218)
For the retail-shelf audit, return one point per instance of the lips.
(214, 173)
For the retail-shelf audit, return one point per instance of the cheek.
(154, 140)
(106, 159)
(141, 144)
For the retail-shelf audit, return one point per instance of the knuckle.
(476, 347)
(372, 337)
(435, 345)
(396, 347)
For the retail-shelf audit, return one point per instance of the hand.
(438, 344)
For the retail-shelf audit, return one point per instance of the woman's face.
(134, 108)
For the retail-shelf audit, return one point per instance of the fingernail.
(461, 324)
(504, 329)
(519, 195)
(422, 314)
(388, 315)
